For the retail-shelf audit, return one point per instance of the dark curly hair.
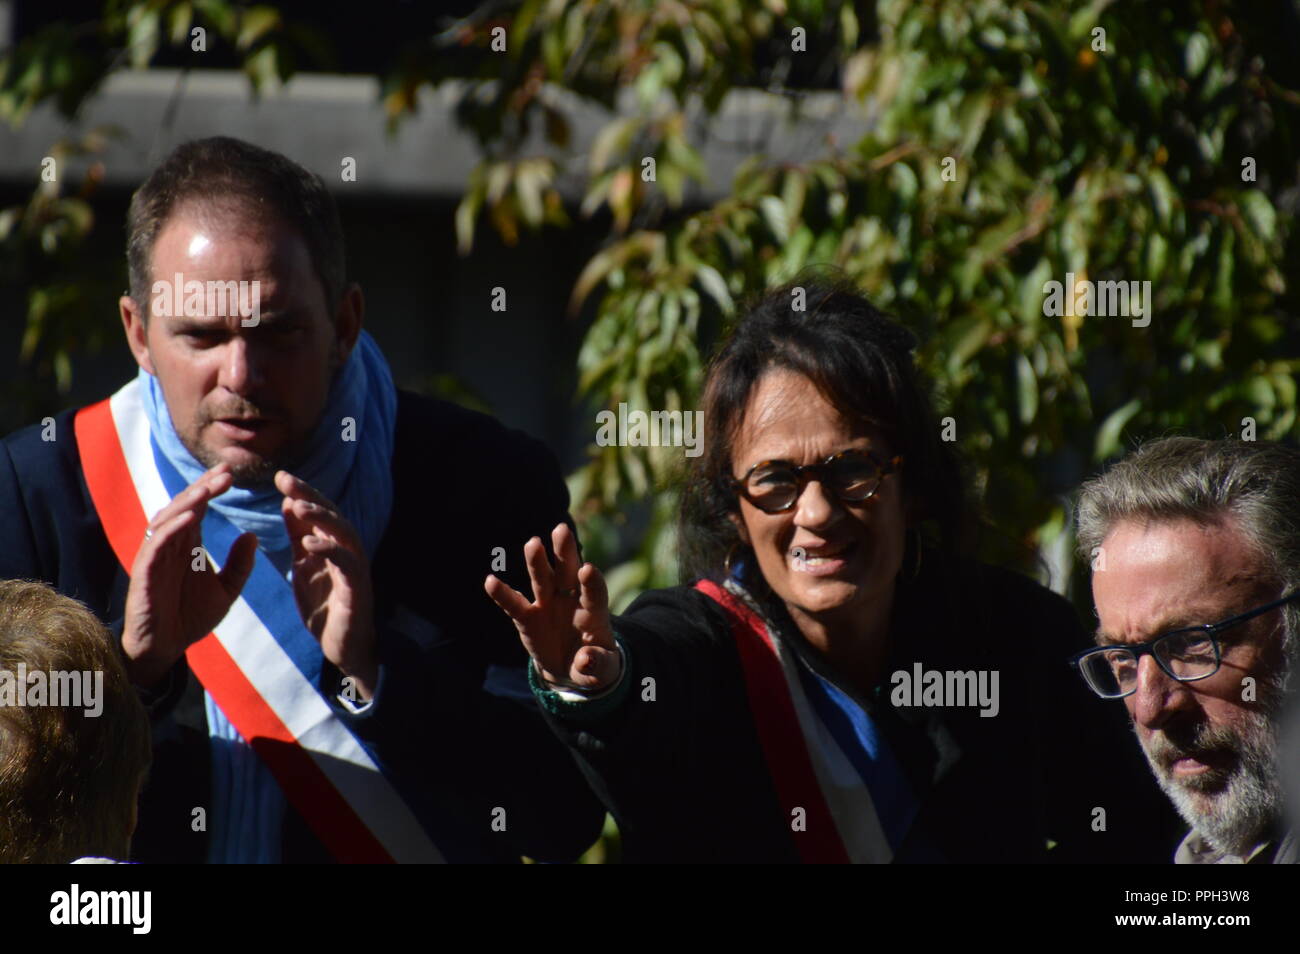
(861, 362)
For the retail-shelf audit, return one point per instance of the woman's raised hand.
(566, 629)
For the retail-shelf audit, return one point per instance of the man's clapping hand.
(169, 604)
(331, 581)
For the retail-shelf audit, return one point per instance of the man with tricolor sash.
(289, 550)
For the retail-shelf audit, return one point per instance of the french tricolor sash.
(261, 665)
(820, 748)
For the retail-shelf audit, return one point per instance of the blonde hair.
(69, 779)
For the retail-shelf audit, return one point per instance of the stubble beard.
(254, 473)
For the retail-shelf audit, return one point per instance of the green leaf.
(612, 140)
(794, 255)
(679, 152)
(466, 216)
(634, 465)
(1284, 388)
(968, 336)
(1026, 389)
(1108, 435)
(1258, 391)
(553, 54)
(974, 116)
(672, 181)
(793, 193)
(1157, 253)
(1259, 214)
(715, 286)
(143, 35)
(498, 180)
(1196, 54)
(62, 371)
(1163, 196)
(522, 25)
(255, 23)
(181, 18)
(1210, 353)
(624, 581)
(220, 14)
(530, 179)
(262, 68)
(77, 213)
(594, 273)
(774, 214)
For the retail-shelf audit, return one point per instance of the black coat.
(463, 486)
(686, 779)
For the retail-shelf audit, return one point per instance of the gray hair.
(1255, 483)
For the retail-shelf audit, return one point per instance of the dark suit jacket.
(452, 717)
(686, 779)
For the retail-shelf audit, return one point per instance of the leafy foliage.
(1009, 143)
(41, 243)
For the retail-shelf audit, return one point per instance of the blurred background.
(629, 171)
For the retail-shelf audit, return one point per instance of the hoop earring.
(915, 543)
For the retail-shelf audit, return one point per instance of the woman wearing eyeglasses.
(832, 686)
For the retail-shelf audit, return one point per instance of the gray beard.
(1231, 809)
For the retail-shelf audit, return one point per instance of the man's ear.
(347, 322)
(137, 331)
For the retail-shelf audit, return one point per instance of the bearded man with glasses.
(1195, 548)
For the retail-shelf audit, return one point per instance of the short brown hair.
(221, 171)
(68, 780)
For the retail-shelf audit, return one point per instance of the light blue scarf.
(355, 474)
(248, 807)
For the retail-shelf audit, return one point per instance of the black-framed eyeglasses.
(1184, 654)
(852, 475)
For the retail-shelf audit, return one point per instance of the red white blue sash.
(815, 762)
(261, 665)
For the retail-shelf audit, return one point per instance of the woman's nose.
(816, 507)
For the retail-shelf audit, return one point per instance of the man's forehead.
(203, 245)
(1151, 577)
(233, 318)
(272, 261)
(1217, 550)
(219, 231)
